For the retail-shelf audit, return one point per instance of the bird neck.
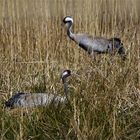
(69, 31)
(65, 88)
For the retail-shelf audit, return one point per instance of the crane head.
(68, 19)
(65, 74)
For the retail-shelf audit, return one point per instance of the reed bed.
(34, 49)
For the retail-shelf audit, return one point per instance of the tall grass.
(34, 49)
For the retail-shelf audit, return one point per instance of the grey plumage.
(36, 99)
(96, 44)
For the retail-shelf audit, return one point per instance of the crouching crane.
(39, 99)
(96, 44)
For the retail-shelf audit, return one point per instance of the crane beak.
(62, 24)
(75, 74)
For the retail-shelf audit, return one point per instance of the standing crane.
(39, 99)
(94, 45)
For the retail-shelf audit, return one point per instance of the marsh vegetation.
(35, 49)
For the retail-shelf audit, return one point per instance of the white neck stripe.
(69, 19)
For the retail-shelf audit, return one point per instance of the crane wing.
(90, 44)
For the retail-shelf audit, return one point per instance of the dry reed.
(34, 49)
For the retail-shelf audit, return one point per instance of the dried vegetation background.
(34, 49)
